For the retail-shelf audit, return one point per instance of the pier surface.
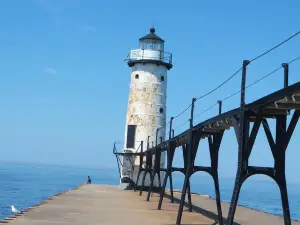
(104, 204)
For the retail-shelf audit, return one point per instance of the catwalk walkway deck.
(103, 204)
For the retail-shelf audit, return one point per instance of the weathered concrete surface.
(103, 204)
(243, 216)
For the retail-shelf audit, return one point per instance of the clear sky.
(64, 83)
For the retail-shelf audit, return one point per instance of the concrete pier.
(104, 204)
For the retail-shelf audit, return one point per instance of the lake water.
(26, 185)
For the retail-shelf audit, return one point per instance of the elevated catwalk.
(246, 121)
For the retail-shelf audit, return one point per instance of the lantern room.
(151, 41)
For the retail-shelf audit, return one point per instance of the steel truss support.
(190, 152)
(185, 163)
(278, 147)
(168, 174)
(141, 155)
(191, 149)
(214, 141)
(156, 170)
(214, 147)
(147, 169)
(170, 156)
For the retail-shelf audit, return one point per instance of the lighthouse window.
(162, 78)
(161, 110)
(136, 76)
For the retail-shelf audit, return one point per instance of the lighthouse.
(146, 110)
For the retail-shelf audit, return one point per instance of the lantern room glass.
(151, 44)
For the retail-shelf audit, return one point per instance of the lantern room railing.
(149, 54)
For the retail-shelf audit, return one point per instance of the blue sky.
(64, 85)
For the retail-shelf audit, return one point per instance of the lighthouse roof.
(152, 36)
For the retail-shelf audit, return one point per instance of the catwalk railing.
(149, 54)
(277, 106)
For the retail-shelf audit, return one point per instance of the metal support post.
(281, 144)
(156, 169)
(192, 112)
(140, 166)
(189, 166)
(214, 147)
(286, 74)
(117, 158)
(147, 166)
(220, 107)
(242, 146)
(168, 174)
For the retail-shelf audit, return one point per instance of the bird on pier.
(14, 210)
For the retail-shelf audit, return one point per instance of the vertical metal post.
(170, 131)
(156, 143)
(220, 107)
(115, 151)
(170, 161)
(168, 171)
(286, 74)
(146, 167)
(160, 57)
(214, 142)
(152, 176)
(192, 112)
(186, 184)
(191, 154)
(279, 167)
(243, 85)
(173, 133)
(142, 148)
(156, 137)
(141, 165)
(241, 143)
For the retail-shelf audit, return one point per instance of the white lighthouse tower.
(147, 103)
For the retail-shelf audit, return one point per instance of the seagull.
(206, 196)
(14, 210)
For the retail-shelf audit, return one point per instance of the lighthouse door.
(130, 136)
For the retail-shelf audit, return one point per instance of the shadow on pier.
(202, 211)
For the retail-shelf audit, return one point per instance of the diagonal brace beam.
(253, 135)
(291, 127)
(269, 137)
